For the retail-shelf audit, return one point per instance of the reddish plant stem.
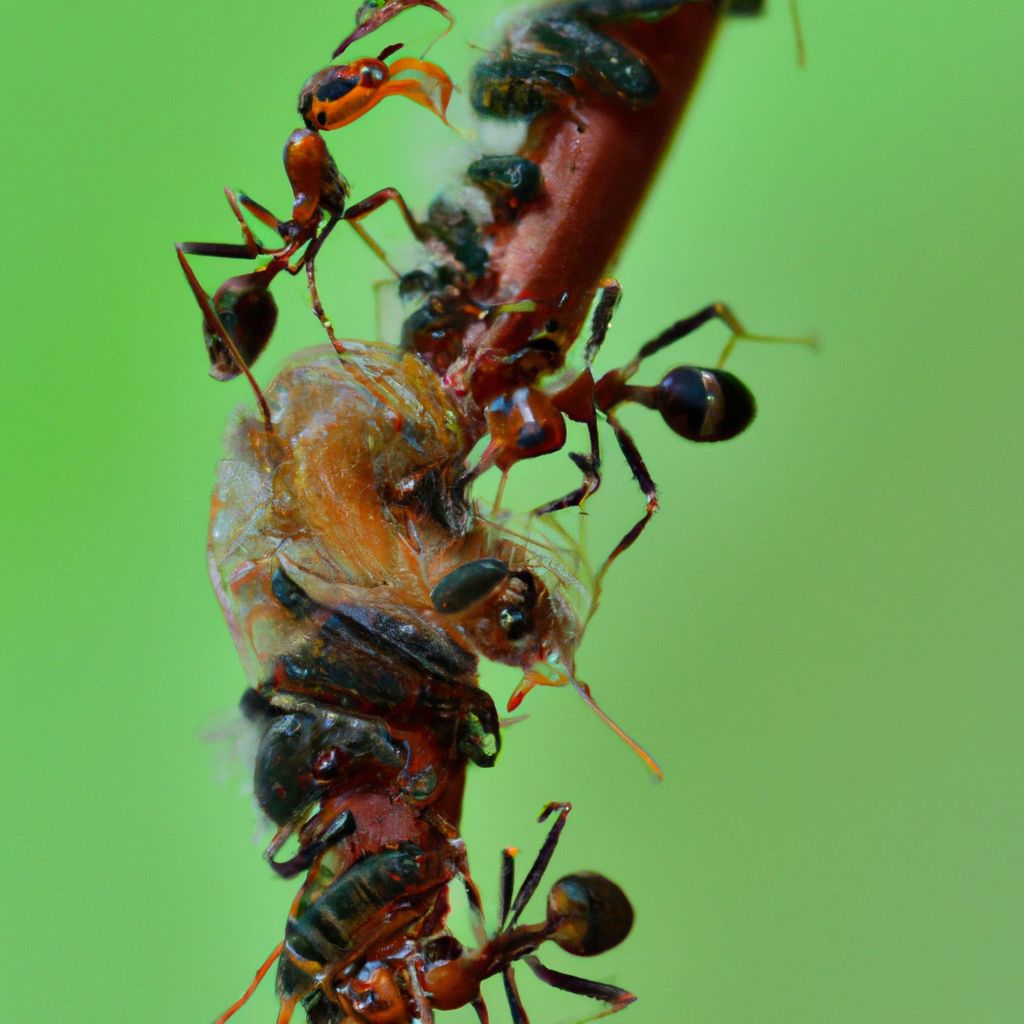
(595, 181)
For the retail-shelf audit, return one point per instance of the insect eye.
(704, 405)
(468, 584)
(514, 622)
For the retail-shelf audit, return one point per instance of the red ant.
(697, 403)
(239, 318)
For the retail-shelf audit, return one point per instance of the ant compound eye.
(588, 913)
(704, 405)
(468, 585)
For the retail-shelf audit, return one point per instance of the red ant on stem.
(697, 403)
(239, 318)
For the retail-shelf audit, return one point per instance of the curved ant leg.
(251, 241)
(646, 483)
(480, 1006)
(540, 864)
(577, 402)
(617, 998)
(683, 328)
(258, 210)
(357, 211)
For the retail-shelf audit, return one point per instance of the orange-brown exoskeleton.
(239, 318)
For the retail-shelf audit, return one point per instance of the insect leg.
(617, 998)
(480, 1006)
(374, 202)
(715, 311)
(579, 404)
(507, 883)
(539, 866)
(515, 1004)
(214, 324)
(611, 293)
(646, 483)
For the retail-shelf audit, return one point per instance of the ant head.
(247, 312)
(523, 424)
(588, 913)
(341, 94)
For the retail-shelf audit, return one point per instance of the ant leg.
(264, 216)
(414, 90)
(309, 260)
(611, 293)
(539, 866)
(383, 13)
(214, 324)
(617, 998)
(715, 311)
(646, 483)
(366, 206)
(258, 210)
(515, 1004)
(506, 884)
(590, 464)
(227, 250)
(480, 1006)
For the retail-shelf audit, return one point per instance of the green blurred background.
(819, 636)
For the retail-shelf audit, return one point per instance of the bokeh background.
(820, 635)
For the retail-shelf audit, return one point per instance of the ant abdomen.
(589, 912)
(248, 312)
(701, 404)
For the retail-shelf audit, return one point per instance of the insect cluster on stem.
(361, 582)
